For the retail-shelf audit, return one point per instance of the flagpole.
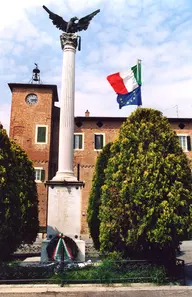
(139, 71)
(138, 74)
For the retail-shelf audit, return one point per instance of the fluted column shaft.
(66, 128)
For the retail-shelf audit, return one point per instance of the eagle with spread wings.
(74, 25)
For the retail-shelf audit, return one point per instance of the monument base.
(44, 256)
(64, 214)
(81, 253)
(64, 208)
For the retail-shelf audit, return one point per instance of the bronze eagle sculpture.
(72, 26)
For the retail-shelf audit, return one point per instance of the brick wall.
(24, 118)
(187, 130)
(87, 157)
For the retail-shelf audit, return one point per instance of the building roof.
(38, 86)
(90, 118)
(180, 119)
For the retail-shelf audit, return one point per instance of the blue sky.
(159, 32)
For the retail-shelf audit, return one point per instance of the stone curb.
(88, 288)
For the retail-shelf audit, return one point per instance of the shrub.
(147, 191)
(18, 198)
(95, 195)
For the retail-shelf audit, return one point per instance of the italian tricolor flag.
(126, 81)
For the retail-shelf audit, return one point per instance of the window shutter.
(35, 174)
(188, 143)
(41, 134)
(42, 175)
(96, 142)
(101, 136)
(80, 141)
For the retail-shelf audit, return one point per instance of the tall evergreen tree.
(18, 198)
(95, 195)
(27, 193)
(147, 193)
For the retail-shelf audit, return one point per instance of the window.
(39, 174)
(185, 142)
(41, 134)
(78, 141)
(99, 141)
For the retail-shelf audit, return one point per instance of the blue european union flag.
(132, 98)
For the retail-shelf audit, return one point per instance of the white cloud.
(13, 11)
(79, 6)
(5, 110)
(102, 105)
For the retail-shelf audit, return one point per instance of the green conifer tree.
(27, 193)
(146, 198)
(95, 195)
(18, 198)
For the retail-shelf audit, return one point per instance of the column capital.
(68, 39)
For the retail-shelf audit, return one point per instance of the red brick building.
(35, 124)
(32, 126)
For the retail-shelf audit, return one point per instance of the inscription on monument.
(68, 220)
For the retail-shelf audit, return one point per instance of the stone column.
(66, 130)
(64, 191)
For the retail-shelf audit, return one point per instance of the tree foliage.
(95, 195)
(18, 197)
(146, 198)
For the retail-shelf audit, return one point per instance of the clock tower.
(34, 126)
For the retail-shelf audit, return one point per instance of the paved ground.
(186, 255)
(94, 291)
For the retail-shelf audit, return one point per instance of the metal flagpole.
(139, 71)
(138, 74)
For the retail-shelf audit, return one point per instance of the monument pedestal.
(64, 205)
(44, 256)
(64, 215)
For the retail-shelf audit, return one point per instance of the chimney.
(87, 113)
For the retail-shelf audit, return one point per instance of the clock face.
(31, 99)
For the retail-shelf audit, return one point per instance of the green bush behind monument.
(18, 198)
(95, 195)
(145, 201)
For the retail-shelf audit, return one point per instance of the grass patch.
(105, 272)
(110, 272)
